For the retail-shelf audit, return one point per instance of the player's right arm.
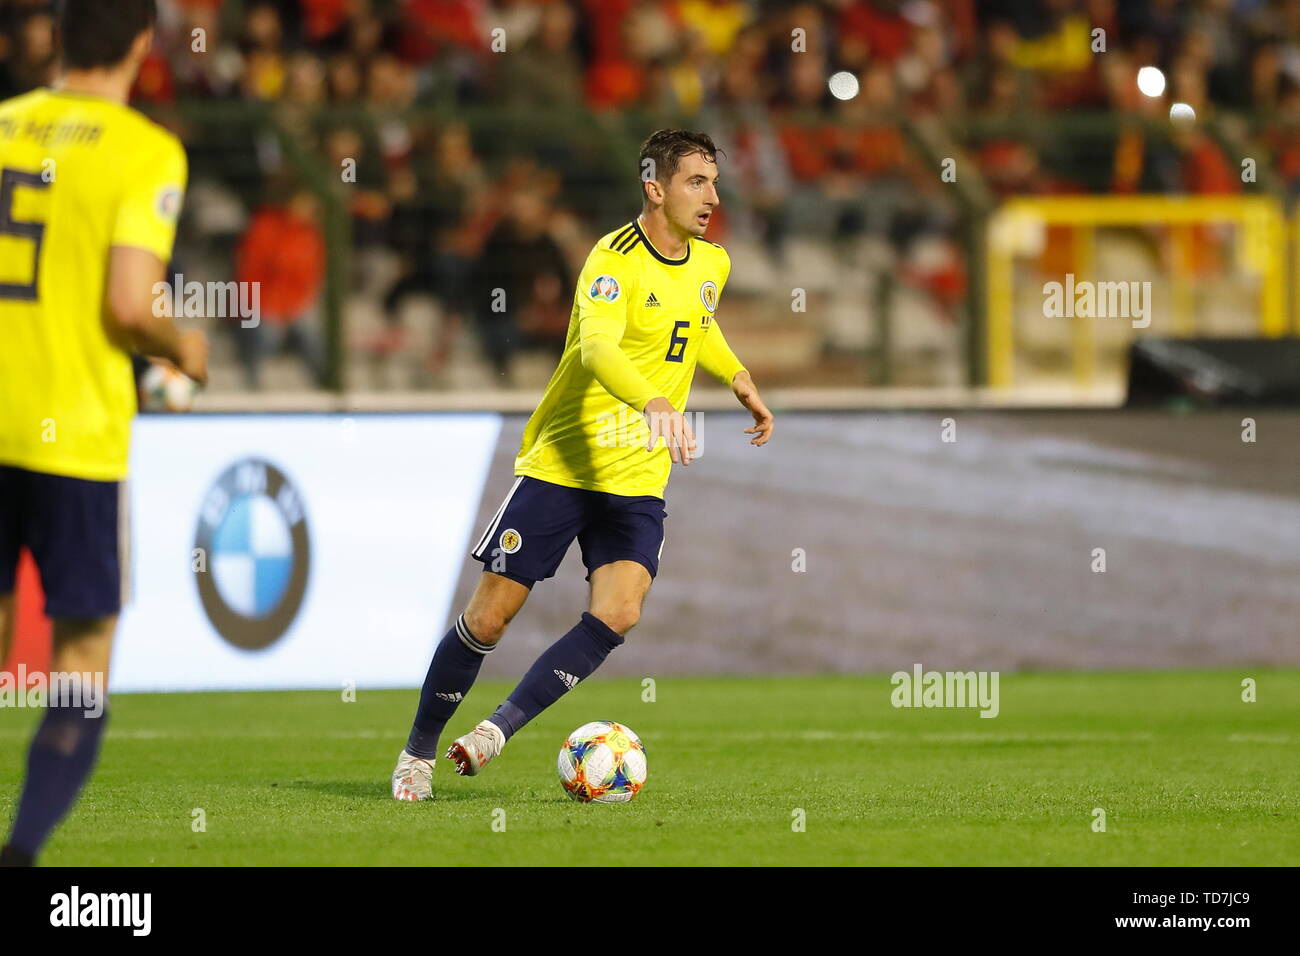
(143, 236)
(606, 289)
(133, 275)
(605, 292)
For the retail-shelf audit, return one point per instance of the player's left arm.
(718, 360)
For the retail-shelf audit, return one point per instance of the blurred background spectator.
(284, 254)
(474, 145)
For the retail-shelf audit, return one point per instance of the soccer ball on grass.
(602, 762)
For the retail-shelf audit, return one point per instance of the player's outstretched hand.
(666, 421)
(747, 394)
(192, 351)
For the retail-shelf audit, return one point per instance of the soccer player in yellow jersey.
(643, 319)
(90, 192)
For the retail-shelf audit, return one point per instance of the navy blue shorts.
(528, 536)
(76, 531)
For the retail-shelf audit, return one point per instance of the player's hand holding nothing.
(747, 394)
(666, 421)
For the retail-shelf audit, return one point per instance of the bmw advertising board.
(296, 551)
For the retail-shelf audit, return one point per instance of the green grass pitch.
(1187, 773)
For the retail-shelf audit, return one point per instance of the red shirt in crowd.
(286, 254)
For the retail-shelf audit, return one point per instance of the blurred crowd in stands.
(485, 135)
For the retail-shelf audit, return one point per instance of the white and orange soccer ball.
(166, 389)
(602, 762)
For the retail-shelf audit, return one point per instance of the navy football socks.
(59, 760)
(572, 658)
(452, 673)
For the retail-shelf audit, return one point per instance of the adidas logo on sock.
(455, 697)
(652, 302)
(569, 680)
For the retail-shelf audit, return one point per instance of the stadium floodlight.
(1151, 81)
(843, 85)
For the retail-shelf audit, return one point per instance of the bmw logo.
(253, 532)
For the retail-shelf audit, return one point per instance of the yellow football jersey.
(78, 175)
(656, 315)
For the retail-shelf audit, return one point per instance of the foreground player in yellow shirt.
(590, 465)
(90, 192)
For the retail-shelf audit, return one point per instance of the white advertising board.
(296, 551)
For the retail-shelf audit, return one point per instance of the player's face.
(693, 194)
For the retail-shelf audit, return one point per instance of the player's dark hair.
(666, 147)
(99, 33)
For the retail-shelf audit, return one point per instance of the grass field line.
(746, 735)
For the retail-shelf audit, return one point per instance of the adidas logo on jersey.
(652, 302)
(569, 680)
(455, 697)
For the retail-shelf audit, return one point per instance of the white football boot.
(413, 778)
(472, 752)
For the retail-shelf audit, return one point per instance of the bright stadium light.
(843, 85)
(1151, 81)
